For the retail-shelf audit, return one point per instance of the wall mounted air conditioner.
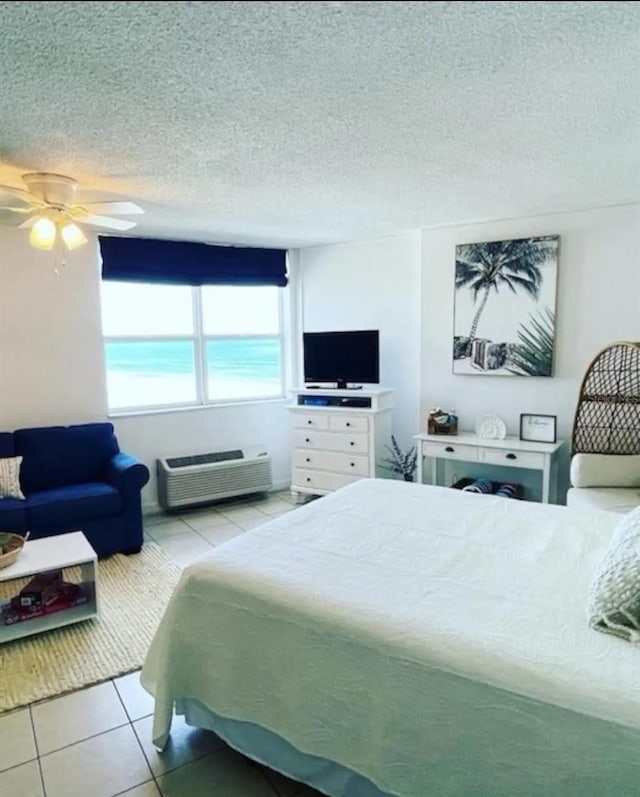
(201, 478)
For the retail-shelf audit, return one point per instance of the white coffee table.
(54, 553)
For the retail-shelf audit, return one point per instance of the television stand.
(338, 436)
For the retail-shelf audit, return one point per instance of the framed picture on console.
(538, 428)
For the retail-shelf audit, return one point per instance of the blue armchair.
(76, 478)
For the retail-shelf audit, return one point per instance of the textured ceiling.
(300, 123)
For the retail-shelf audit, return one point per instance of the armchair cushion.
(605, 470)
(13, 515)
(56, 456)
(73, 505)
(613, 499)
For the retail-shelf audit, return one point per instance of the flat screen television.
(342, 357)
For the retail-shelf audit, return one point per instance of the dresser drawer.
(357, 465)
(311, 420)
(514, 459)
(319, 479)
(348, 423)
(331, 441)
(451, 450)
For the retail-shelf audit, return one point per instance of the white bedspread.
(421, 636)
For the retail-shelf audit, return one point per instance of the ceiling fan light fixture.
(72, 235)
(51, 212)
(43, 234)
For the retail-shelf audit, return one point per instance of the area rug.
(134, 591)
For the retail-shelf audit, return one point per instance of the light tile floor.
(97, 742)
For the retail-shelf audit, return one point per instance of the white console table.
(511, 451)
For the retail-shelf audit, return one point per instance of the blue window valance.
(190, 263)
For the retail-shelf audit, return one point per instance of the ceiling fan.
(50, 209)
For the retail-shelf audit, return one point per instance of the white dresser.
(338, 436)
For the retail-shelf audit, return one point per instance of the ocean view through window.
(178, 346)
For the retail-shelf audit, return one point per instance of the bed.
(400, 639)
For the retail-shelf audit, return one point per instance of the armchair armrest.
(126, 473)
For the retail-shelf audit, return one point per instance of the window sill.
(194, 407)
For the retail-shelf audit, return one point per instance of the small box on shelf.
(439, 422)
(61, 596)
(40, 589)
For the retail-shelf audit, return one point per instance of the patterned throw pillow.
(614, 605)
(10, 477)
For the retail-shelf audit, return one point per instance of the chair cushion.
(614, 598)
(72, 505)
(13, 515)
(605, 470)
(613, 499)
(56, 456)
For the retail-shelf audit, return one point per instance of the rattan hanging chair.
(607, 418)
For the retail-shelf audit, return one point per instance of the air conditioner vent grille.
(201, 478)
(204, 459)
(205, 483)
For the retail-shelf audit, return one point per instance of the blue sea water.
(240, 358)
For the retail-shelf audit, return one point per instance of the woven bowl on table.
(10, 547)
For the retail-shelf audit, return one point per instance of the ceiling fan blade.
(121, 208)
(17, 210)
(107, 222)
(25, 196)
(29, 222)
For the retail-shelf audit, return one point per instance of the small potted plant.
(399, 462)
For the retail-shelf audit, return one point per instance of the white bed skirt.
(266, 748)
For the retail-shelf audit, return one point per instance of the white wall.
(598, 303)
(51, 354)
(372, 285)
(52, 367)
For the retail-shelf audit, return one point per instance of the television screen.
(342, 357)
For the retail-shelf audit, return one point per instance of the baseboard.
(151, 509)
(282, 485)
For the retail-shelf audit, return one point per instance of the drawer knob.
(308, 478)
(309, 422)
(450, 449)
(511, 456)
(306, 440)
(352, 443)
(308, 459)
(347, 423)
(353, 464)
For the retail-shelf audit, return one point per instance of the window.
(174, 345)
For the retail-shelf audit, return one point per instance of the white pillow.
(10, 477)
(614, 598)
(605, 470)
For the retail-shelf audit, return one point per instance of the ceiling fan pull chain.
(59, 258)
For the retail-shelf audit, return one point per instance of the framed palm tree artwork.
(505, 306)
